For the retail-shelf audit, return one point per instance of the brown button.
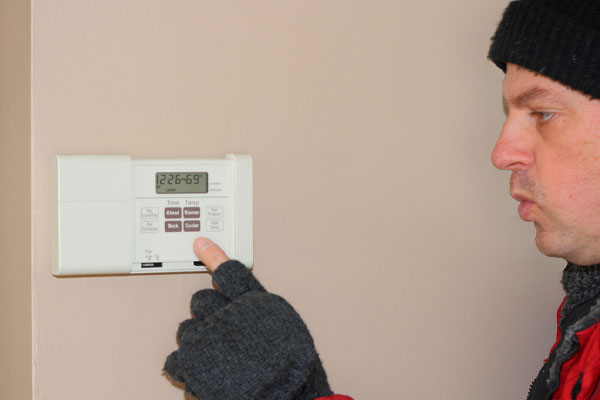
(173, 212)
(173, 226)
(191, 212)
(191, 226)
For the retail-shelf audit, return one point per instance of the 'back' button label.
(173, 226)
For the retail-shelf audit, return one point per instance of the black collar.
(581, 283)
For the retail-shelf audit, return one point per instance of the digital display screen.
(181, 182)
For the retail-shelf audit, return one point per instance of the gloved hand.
(245, 343)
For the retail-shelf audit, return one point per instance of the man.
(550, 51)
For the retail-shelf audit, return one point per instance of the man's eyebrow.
(531, 94)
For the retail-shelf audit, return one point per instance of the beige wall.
(377, 211)
(15, 200)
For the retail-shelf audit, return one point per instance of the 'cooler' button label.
(191, 226)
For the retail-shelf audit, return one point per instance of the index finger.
(209, 253)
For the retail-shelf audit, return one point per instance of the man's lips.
(526, 206)
(520, 197)
(526, 210)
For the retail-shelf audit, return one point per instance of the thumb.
(209, 253)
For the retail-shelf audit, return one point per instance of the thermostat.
(116, 215)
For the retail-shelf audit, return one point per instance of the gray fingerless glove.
(245, 344)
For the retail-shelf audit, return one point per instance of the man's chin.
(544, 242)
(548, 244)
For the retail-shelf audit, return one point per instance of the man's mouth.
(526, 206)
(520, 198)
(526, 210)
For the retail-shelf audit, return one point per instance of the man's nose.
(513, 149)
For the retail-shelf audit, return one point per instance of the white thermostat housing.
(116, 215)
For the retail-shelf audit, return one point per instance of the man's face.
(551, 142)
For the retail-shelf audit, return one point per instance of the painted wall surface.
(15, 200)
(378, 214)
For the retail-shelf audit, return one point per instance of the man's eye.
(545, 116)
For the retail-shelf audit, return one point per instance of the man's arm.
(244, 342)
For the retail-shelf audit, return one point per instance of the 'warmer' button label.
(191, 212)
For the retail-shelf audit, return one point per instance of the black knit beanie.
(556, 38)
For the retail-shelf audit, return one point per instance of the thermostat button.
(173, 226)
(191, 212)
(173, 212)
(150, 226)
(149, 212)
(191, 226)
(215, 226)
(214, 212)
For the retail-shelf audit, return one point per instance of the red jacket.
(335, 397)
(583, 368)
